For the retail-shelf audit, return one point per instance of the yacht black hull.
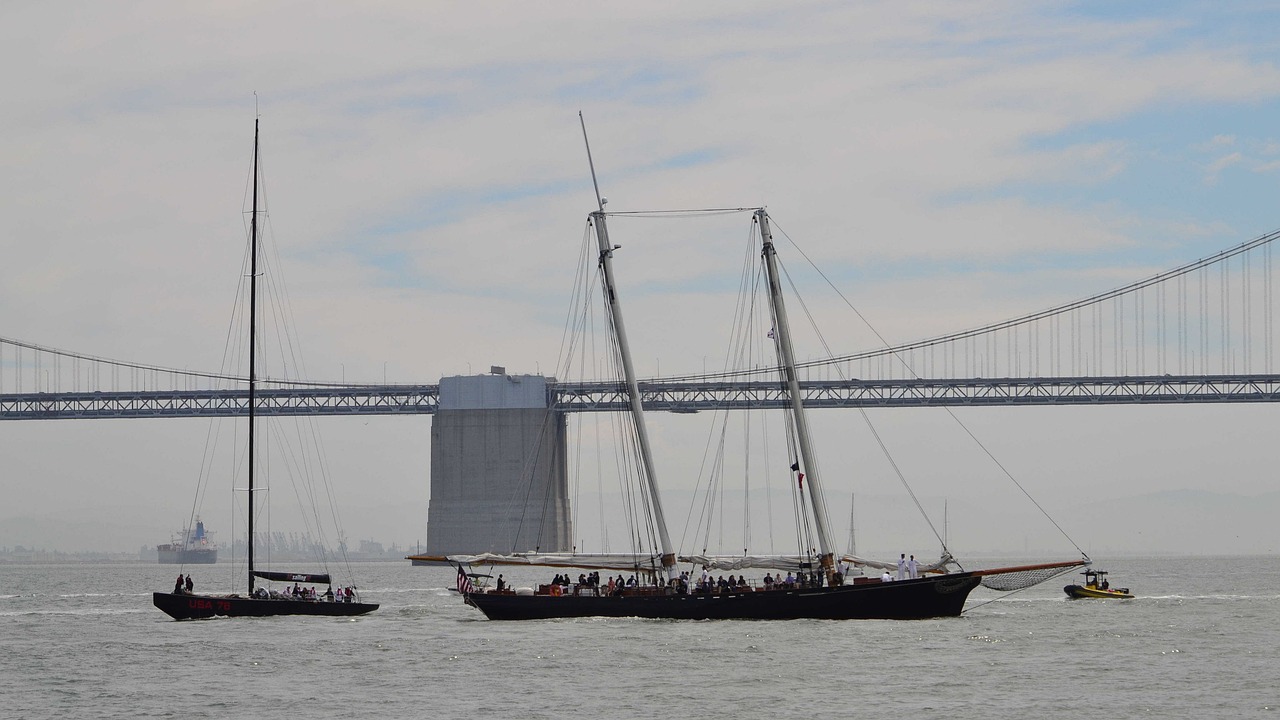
(942, 596)
(193, 607)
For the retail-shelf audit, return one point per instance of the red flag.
(801, 481)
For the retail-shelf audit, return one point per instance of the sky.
(948, 165)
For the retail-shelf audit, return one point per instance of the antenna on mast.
(599, 200)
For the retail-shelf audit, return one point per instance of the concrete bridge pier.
(498, 478)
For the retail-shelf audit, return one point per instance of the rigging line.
(543, 525)
(804, 528)
(575, 326)
(213, 431)
(719, 416)
(746, 485)
(768, 496)
(755, 344)
(1014, 480)
(862, 411)
(596, 425)
(526, 478)
(326, 480)
(713, 476)
(632, 443)
(902, 478)
(303, 487)
(623, 450)
(278, 284)
(739, 345)
(694, 212)
(795, 292)
(742, 329)
(583, 285)
(949, 410)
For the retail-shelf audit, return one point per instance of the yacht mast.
(853, 538)
(253, 315)
(628, 370)
(783, 340)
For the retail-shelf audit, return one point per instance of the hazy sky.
(948, 164)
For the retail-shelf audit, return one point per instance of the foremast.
(628, 369)
(786, 356)
(633, 391)
(253, 316)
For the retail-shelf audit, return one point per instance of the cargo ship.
(190, 547)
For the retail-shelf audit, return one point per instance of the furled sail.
(625, 562)
(586, 561)
(798, 562)
(292, 577)
(745, 562)
(935, 567)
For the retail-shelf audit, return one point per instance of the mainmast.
(782, 331)
(253, 316)
(628, 370)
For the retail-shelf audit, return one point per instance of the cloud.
(1215, 168)
(427, 182)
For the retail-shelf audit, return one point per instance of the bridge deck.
(669, 396)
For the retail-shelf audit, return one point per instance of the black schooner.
(823, 591)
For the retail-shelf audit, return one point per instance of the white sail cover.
(796, 562)
(586, 561)
(936, 567)
(627, 562)
(744, 562)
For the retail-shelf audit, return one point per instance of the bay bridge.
(1200, 333)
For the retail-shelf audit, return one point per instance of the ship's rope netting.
(1022, 579)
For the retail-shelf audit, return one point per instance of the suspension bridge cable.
(950, 412)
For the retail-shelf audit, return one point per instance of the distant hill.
(1175, 522)
(111, 530)
(1170, 522)
(1181, 522)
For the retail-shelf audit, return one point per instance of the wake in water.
(84, 612)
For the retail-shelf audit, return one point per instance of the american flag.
(464, 582)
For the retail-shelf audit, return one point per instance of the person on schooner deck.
(913, 569)
(902, 567)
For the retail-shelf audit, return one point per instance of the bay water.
(1200, 640)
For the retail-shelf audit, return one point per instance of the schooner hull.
(193, 607)
(932, 597)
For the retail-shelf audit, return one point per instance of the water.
(1201, 640)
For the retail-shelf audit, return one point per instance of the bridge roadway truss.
(658, 395)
